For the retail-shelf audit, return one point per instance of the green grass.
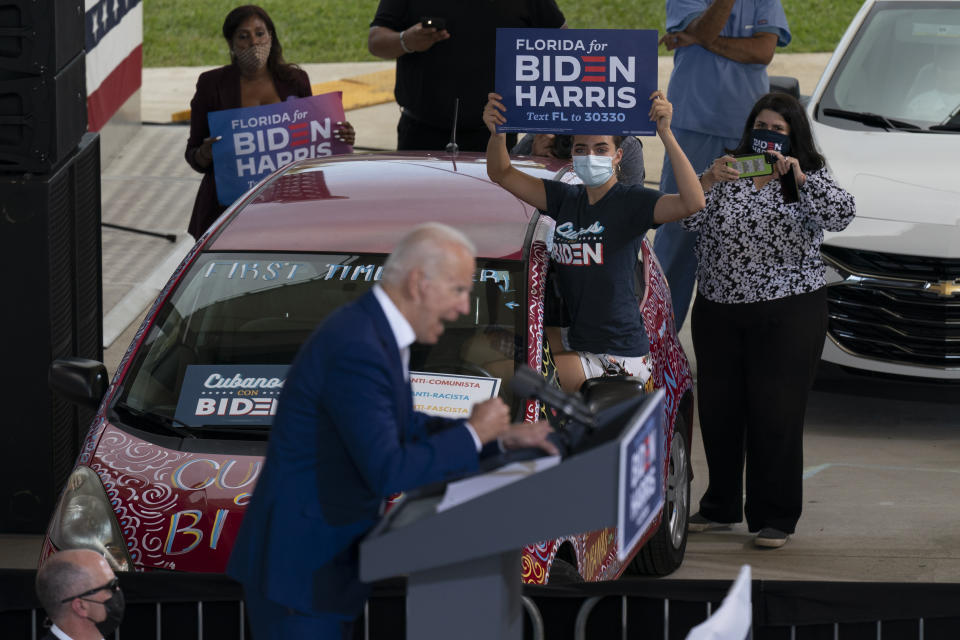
(818, 25)
(187, 32)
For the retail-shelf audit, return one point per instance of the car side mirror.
(79, 380)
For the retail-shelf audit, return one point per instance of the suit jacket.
(345, 437)
(219, 89)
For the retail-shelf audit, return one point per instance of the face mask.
(114, 606)
(593, 170)
(253, 58)
(766, 140)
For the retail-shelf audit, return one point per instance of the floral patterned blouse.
(753, 247)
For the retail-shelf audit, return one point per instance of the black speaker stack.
(50, 249)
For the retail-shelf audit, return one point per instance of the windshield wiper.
(871, 119)
(168, 424)
(254, 433)
(183, 430)
(952, 123)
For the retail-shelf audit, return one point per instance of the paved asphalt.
(882, 459)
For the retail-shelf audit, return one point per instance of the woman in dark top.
(257, 75)
(760, 318)
(599, 227)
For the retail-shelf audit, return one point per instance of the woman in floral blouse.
(760, 318)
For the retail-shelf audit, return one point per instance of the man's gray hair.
(426, 246)
(58, 579)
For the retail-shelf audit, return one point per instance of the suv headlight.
(84, 520)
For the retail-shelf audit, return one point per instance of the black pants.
(755, 366)
(416, 135)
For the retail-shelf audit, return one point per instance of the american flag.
(114, 44)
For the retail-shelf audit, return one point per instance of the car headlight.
(84, 520)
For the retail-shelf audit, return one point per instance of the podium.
(463, 560)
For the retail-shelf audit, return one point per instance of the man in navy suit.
(346, 437)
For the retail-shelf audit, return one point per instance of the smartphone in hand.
(788, 187)
(433, 23)
(752, 165)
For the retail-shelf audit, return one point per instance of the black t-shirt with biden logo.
(595, 249)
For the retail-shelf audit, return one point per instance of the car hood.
(896, 176)
(177, 510)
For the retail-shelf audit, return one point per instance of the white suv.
(886, 115)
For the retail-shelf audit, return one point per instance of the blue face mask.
(767, 140)
(593, 170)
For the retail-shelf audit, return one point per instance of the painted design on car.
(171, 503)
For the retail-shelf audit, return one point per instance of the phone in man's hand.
(435, 23)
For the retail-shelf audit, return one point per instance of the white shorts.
(596, 365)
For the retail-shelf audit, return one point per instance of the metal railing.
(205, 607)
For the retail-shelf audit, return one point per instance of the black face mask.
(114, 606)
(766, 140)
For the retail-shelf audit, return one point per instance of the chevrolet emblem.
(943, 288)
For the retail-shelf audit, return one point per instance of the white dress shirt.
(404, 335)
(60, 633)
(402, 331)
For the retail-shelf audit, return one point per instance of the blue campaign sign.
(641, 487)
(595, 81)
(256, 141)
(230, 394)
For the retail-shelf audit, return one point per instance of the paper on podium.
(733, 618)
(473, 487)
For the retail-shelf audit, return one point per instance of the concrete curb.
(365, 90)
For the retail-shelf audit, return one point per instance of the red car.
(174, 452)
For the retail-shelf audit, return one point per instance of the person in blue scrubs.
(721, 52)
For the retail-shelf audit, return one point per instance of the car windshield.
(903, 65)
(217, 355)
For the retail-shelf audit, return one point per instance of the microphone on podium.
(528, 383)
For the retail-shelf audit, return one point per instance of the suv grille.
(885, 308)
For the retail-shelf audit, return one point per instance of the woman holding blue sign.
(599, 227)
(257, 75)
(760, 315)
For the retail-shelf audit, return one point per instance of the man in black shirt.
(435, 66)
